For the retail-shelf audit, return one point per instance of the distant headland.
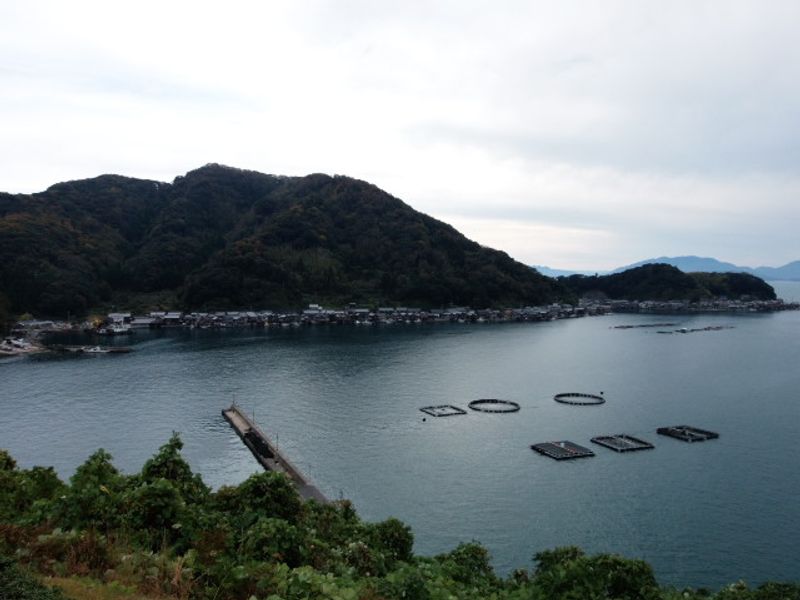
(694, 264)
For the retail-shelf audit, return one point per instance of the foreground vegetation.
(163, 533)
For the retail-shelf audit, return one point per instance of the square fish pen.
(563, 450)
(622, 442)
(443, 410)
(687, 434)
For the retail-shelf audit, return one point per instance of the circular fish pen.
(493, 405)
(579, 399)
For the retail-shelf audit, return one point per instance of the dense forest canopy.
(664, 282)
(225, 238)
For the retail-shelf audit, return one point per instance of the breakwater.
(267, 453)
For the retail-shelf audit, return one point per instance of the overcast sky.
(582, 135)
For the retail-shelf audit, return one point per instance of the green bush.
(18, 585)
(26, 494)
(155, 511)
(569, 573)
(94, 498)
(395, 537)
(273, 540)
(168, 464)
(469, 564)
(267, 495)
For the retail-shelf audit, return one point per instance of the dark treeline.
(163, 532)
(665, 282)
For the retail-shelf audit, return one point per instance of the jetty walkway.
(267, 453)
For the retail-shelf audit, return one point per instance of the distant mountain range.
(694, 264)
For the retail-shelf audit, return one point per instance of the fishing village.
(27, 335)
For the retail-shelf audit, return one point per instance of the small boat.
(95, 350)
(115, 329)
(106, 349)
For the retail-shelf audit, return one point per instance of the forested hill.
(221, 238)
(665, 282)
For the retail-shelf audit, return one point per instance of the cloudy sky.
(580, 135)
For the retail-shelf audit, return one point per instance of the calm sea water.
(343, 403)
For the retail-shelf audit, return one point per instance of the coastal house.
(34, 325)
(144, 322)
(236, 317)
(172, 319)
(118, 318)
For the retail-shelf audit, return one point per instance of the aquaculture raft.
(493, 405)
(443, 410)
(622, 443)
(687, 434)
(579, 398)
(562, 450)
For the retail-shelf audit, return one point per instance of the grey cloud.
(79, 71)
(716, 141)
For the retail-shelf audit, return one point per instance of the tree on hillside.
(5, 314)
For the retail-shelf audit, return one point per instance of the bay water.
(343, 404)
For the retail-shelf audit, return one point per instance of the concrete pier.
(267, 453)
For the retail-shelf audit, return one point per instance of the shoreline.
(27, 336)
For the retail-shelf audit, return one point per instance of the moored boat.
(115, 329)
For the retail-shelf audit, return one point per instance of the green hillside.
(225, 238)
(664, 282)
